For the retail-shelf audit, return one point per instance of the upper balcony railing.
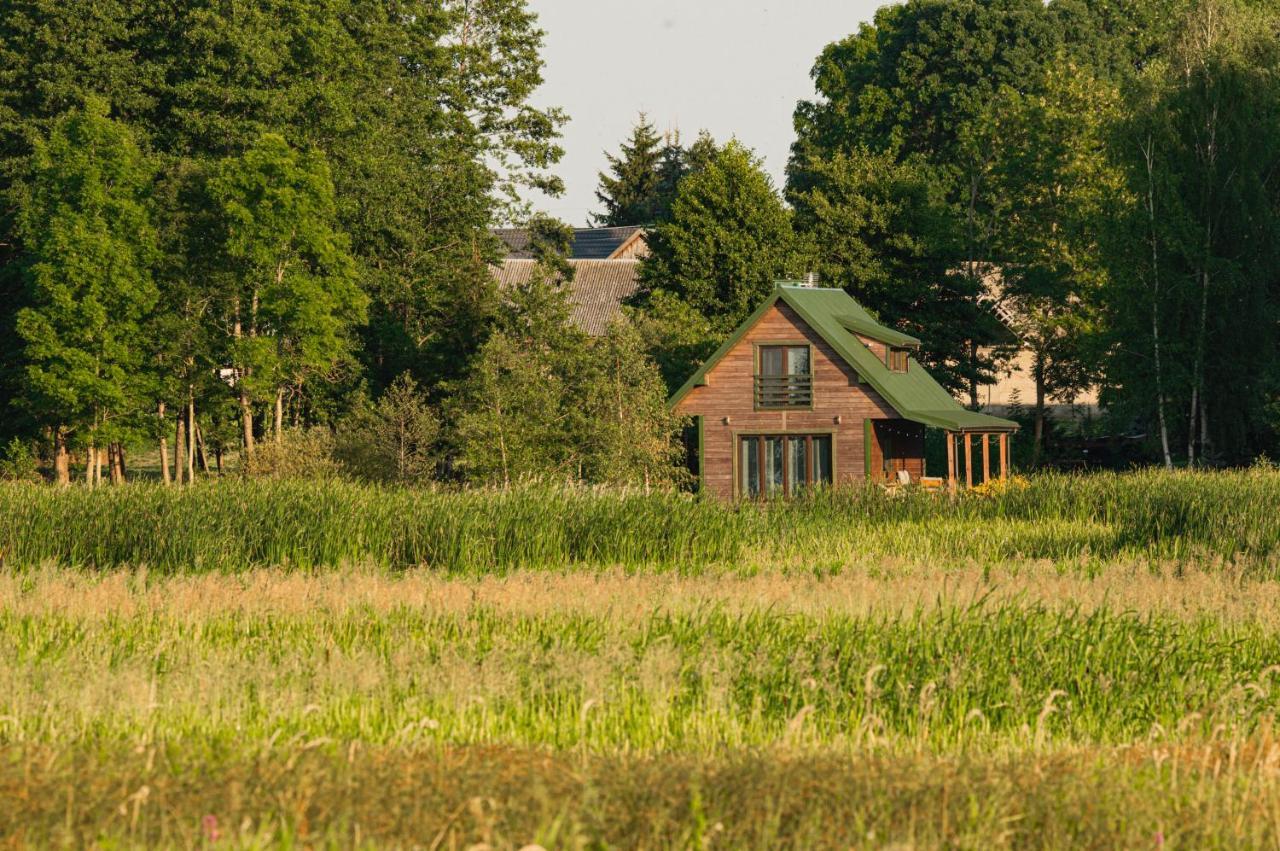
(784, 391)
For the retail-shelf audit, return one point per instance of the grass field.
(1078, 663)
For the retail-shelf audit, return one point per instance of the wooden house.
(812, 390)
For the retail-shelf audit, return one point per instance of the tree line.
(263, 230)
(1100, 172)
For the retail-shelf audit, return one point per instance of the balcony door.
(784, 377)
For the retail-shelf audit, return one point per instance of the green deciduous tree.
(914, 88)
(291, 300)
(729, 239)
(1192, 306)
(90, 250)
(422, 108)
(544, 401)
(883, 231)
(395, 439)
(1056, 187)
(622, 426)
(911, 81)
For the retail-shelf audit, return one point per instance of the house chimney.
(811, 279)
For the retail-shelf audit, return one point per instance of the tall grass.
(948, 678)
(234, 525)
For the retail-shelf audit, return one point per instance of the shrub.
(395, 440)
(18, 463)
(299, 454)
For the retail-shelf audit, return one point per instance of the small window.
(897, 359)
(784, 360)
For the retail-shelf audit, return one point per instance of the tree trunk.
(113, 462)
(1206, 445)
(1197, 390)
(164, 446)
(90, 459)
(200, 450)
(191, 435)
(61, 460)
(502, 451)
(246, 426)
(1192, 420)
(973, 382)
(120, 459)
(279, 420)
(246, 404)
(179, 448)
(1037, 448)
(1148, 153)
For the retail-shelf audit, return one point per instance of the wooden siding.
(879, 349)
(729, 393)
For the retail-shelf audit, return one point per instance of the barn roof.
(838, 319)
(597, 291)
(588, 243)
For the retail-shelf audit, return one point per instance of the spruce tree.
(632, 190)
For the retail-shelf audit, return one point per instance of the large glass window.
(782, 464)
(785, 377)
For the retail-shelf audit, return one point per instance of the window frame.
(757, 361)
(739, 492)
(889, 358)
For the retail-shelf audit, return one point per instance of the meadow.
(1077, 662)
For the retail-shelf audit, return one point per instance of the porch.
(960, 455)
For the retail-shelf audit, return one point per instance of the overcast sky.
(734, 67)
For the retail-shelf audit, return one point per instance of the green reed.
(233, 525)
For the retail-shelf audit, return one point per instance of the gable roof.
(597, 291)
(588, 243)
(836, 318)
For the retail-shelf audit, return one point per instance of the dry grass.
(1089, 663)
(856, 588)
(1219, 795)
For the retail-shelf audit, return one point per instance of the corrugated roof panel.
(597, 292)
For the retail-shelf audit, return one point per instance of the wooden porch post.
(986, 458)
(968, 460)
(951, 462)
(1004, 455)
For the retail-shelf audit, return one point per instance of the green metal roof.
(836, 317)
